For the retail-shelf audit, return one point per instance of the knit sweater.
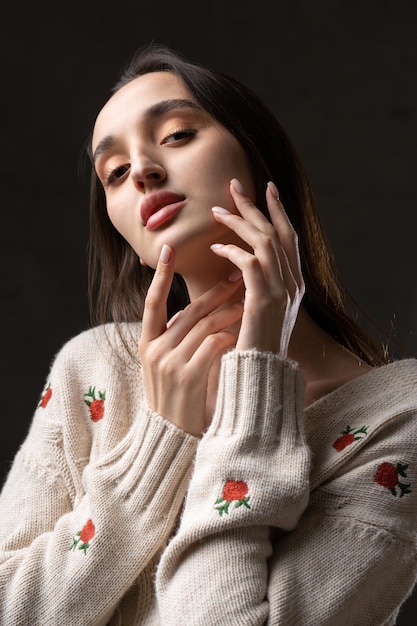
(278, 515)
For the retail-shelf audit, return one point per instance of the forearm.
(132, 497)
(251, 472)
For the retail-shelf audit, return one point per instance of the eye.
(115, 174)
(179, 136)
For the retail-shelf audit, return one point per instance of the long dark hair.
(118, 283)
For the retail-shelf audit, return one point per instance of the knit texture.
(277, 515)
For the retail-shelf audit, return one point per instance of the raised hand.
(274, 285)
(177, 357)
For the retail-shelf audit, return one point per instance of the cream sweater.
(279, 516)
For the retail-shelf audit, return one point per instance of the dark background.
(340, 76)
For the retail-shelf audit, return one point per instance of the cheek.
(229, 161)
(118, 216)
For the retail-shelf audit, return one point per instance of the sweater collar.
(371, 401)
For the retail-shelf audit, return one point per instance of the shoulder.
(387, 391)
(91, 394)
(364, 440)
(389, 387)
(394, 376)
(97, 367)
(372, 415)
(102, 357)
(109, 343)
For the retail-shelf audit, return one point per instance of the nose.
(146, 171)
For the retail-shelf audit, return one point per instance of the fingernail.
(274, 189)
(237, 185)
(216, 245)
(165, 254)
(220, 209)
(235, 276)
(173, 318)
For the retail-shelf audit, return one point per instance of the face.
(164, 163)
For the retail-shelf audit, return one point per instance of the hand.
(271, 273)
(177, 357)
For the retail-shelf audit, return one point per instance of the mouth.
(159, 207)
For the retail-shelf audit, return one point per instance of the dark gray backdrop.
(340, 76)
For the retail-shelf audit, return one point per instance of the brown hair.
(118, 283)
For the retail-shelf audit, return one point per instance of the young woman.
(225, 445)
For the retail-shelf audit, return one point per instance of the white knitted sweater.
(280, 516)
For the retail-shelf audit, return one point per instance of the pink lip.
(165, 203)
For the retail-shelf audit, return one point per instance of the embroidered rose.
(95, 404)
(349, 435)
(388, 475)
(46, 396)
(84, 536)
(234, 491)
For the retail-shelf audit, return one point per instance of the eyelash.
(111, 177)
(185, 134)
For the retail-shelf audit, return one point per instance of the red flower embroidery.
(46, 396)
(96, 405)
(233, 491)
(349, 435)
(84, 536)
(388, 474)
(88, 531)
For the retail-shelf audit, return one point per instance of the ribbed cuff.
(260, 395)
(152, 461)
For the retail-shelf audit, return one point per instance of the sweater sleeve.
(336, 569)
(68, 556)
(249, 552)
(251, 473)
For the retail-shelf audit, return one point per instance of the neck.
(199, 280)
(310, 346)
(325, 363)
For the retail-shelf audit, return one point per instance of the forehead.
(136, 97)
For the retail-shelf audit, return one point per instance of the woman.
(245, 458)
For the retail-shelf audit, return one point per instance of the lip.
(167, 203)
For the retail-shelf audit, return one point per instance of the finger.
(155, 314)
(173, 318)
(266, 247)
(289, 267)
(285, 242)
(290, 262)
(216, 322)
(256, 282)
(212, 346)
(287, 273)
(245, 206)
(199, 309)
(287, 235)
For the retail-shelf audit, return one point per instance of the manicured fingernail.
(216, 245)
(237, 185)
(173, 318)
(274, 189)
(165, 254)
(235, 276)
(220, 209)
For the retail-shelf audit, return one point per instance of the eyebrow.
(156, 110)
